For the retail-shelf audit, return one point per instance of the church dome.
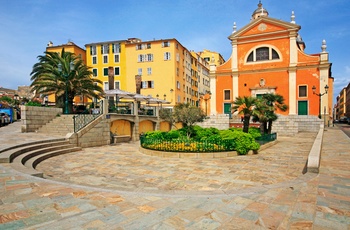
(260, 12)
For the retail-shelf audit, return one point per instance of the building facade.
(268, 56)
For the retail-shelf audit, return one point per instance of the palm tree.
(274, 102)
(245, 105)
(47, 79)
(260, 114)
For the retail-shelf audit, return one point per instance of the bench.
(121, 138)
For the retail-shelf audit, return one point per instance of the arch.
(121, 127)
(164, 126)
(145, 126)
(262, 53)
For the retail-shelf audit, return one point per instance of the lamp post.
(66, 75)
(320, 95)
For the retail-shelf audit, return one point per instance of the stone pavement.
(116, 187)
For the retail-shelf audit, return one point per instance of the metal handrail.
(82, 120)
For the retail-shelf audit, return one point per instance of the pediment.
(264, 25)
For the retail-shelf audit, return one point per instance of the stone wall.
(292, 124)
(33, 117)
(97, 133)
(219, 121)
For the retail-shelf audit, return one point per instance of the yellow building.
(79, 52)
(342, 103)
(168, 70)
(102, 56)
(212, 57)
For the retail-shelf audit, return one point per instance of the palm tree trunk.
(246, 123)
(269, 128)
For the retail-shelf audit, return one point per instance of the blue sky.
(28, 25)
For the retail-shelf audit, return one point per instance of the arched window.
(263, 54)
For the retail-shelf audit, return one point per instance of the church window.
(263, 54)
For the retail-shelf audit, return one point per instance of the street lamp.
(66, 75)
(320, 95)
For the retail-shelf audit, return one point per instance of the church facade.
(268, 57)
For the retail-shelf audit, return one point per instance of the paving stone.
(124, 189)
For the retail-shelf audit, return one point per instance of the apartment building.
(108, 59)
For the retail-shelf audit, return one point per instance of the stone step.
(7, 156)
(34, 158)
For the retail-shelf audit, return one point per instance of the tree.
(47, 79)
(186, 114)
(273, 102)
(245, 106)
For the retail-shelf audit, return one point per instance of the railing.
(127, 108)
(266, 138)
(187, 145)
(82, 120)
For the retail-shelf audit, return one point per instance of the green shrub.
(255, 132)
(171, 135)
(201, 134)
(158, 135)
(230, 139)
(33, 103)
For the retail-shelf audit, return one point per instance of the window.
(141, 58)
(94, 60)
(148, 45)
(139, 71)
(302, 91)
(116, 71)
(105, 59)
(92, 50)
(116, 58)
(149, 57)
(166, 56)
(105, 71)
(116, 48)
(165, 44)
(207, 59)
(149, 71)
(94, 72)
(117, 85)
(178, 84)
(105, 86)
(263, 54)
(227, 95)
(105, 49)
(147, 84)
(177, 57)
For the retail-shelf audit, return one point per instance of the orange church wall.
(222, 83)
(269, 28)
(309, 59)
(309, 77)
(272, 79)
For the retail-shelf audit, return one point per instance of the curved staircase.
(25, 157)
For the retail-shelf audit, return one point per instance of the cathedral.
(268, 56)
